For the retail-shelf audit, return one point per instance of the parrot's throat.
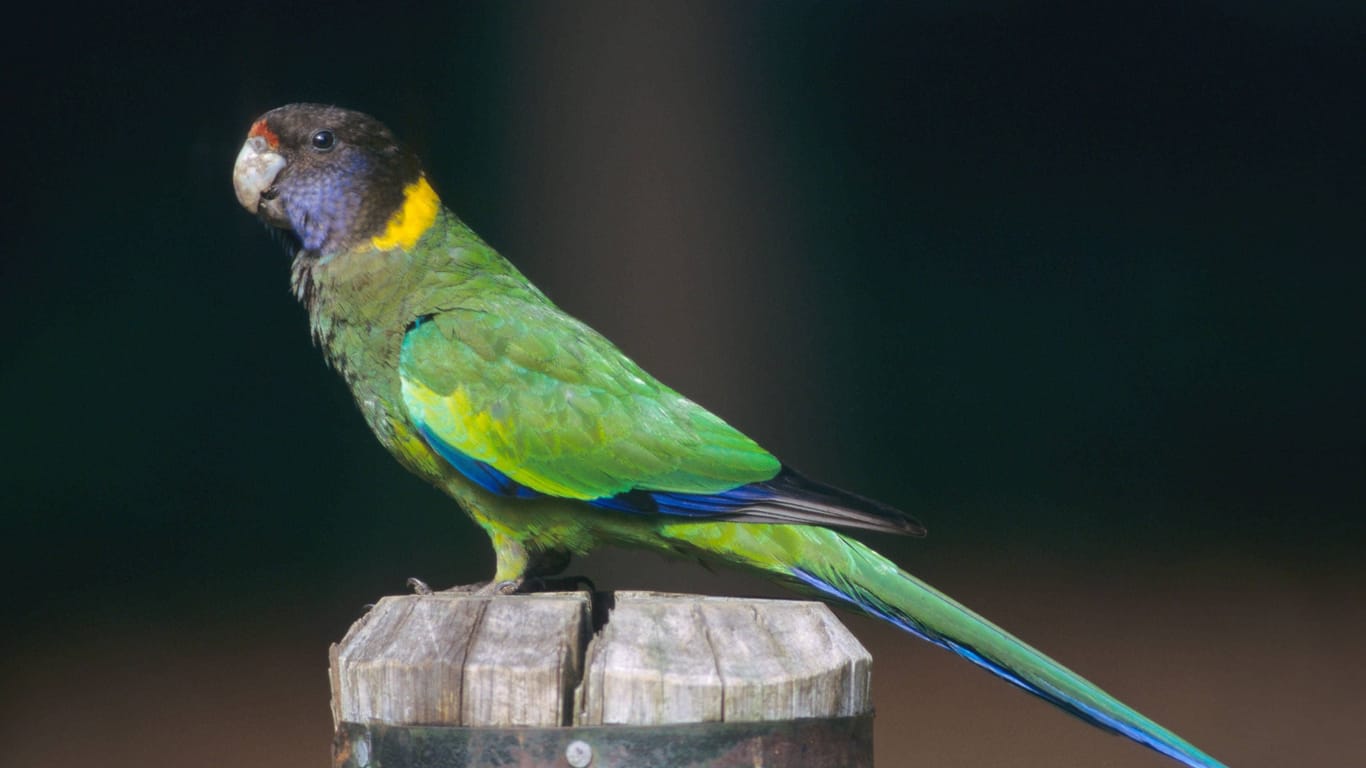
(403, 229)
(301, 280)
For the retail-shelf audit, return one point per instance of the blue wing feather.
(787, 497)
(638, 502)
(478, 472)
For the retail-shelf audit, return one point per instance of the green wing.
(554, 406)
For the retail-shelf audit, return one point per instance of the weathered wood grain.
(534, 660)
(524, 661)
(684, 658)
(456, 659)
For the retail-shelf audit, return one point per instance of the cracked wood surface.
(536, 660)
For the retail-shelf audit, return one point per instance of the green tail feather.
(845, 571)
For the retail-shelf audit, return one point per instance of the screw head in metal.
(578, 753)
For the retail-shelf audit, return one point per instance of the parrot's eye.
(323, 140)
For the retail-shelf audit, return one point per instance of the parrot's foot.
(509, 586)
(479, 589)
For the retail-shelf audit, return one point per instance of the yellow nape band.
(415, 217)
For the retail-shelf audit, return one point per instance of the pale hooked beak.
(255, 171)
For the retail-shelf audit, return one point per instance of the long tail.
(845, 571)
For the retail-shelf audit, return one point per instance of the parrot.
(549, 437)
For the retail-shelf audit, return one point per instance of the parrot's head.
(325, 177)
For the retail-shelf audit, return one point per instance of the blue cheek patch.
(328, 205)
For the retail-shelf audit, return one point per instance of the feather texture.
(546, 434)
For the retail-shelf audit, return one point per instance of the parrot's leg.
(478, 588)
(514, 562)
(519, 569)
(421, 587)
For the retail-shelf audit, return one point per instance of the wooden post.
(451, 680)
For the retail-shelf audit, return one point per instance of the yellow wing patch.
(476, 434)
(412, 219)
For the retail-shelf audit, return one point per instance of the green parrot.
(549, 437)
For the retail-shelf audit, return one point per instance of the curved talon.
(419, 586)
(506, 587)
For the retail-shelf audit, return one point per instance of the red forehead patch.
(259, 128)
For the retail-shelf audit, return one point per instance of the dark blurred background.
(1080, 287)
